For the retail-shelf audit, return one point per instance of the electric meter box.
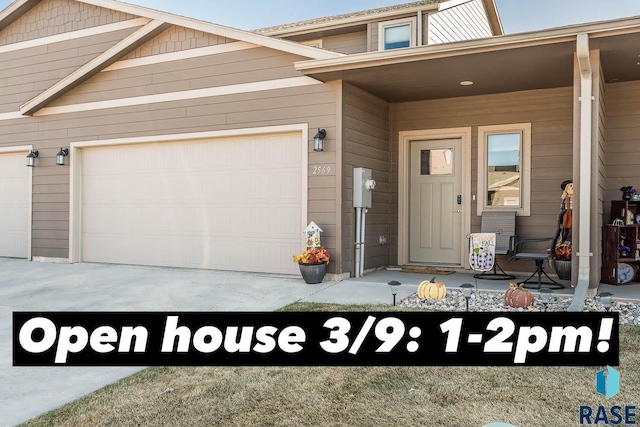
(362, 187)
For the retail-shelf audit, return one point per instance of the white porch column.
(583, 251)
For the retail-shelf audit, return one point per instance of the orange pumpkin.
(518, 297)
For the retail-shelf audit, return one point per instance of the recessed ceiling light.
(466, 83)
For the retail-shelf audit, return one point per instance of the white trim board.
(93, 31)
(182, 95)
(178, 56)
(208, 27)
(92, 67)
(75, 149)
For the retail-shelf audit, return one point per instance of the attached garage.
(229, 203)
(15, 203)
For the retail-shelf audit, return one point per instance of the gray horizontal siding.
(346, 43)
(314, 105)
(245, 66)
(621, 151)
(366, 144)
(551, 113)
(26, 73)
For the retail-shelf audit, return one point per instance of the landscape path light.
(466, 292)
(394, 285)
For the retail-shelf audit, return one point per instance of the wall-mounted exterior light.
(31, 158)
(318, 140)
(61, 155)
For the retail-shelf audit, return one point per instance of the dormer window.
(397, 34)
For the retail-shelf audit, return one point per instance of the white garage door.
(14, 205)
(231, 204)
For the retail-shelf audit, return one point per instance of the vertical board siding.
(464, 22)
(51, 17)
(346, 43)
(550, 112)
(177, 39)
(366, 144)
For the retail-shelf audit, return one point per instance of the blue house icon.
(608, 382)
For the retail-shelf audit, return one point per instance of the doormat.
(425, 270)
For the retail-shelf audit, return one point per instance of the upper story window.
(397, 34)
(504, 164)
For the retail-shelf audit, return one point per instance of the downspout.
(584, 231)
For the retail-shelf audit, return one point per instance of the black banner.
(314, 339)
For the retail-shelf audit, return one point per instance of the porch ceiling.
(506, 69)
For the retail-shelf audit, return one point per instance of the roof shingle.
(337, 18)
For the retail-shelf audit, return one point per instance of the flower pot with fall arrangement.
(562, 261)
(313, 264)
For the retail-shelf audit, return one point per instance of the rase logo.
(608, 382)
(608, 385)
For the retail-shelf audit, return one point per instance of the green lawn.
(378, 396)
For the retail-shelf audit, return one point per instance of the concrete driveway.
(32, 286)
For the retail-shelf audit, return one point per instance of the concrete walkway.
(31, 286)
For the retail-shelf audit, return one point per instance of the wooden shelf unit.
(620, 208)
(611, 238)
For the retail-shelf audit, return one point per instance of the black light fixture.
(318, 140)
(466, 292)
(61, 155)
(545, 297)
(31, 158)
(394, 285)
(606, 300)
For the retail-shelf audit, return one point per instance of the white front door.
(435, 215)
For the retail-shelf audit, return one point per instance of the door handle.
(458, 211)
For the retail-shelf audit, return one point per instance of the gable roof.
(348, 17)
(360, 17)
(19, 7)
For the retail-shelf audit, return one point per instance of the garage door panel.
(14, 206)
(225, 253)
(205, 204)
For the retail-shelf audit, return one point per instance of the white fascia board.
(102, 61)
(14, 8)
(210, 28)
(558, 35)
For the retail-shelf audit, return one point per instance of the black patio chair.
(539, 256)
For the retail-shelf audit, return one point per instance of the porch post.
(584, 173)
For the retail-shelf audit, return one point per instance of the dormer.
(408, 25)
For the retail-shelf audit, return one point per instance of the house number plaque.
(322, 170)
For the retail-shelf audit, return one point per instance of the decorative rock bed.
(494, 301)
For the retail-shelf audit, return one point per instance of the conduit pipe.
(585, 142)
(358, 240)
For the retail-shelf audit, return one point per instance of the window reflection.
(436, 162)
(397, 37)
(503, 169)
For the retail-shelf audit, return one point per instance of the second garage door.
(14, 205)
(231, 204)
